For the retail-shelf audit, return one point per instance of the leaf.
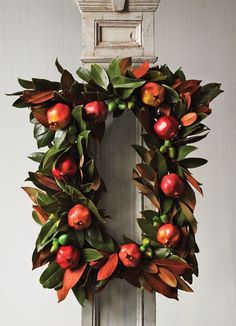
(52, 276)
(148, 267)
(78, 116)
(182, 285)
(36, 156)
(32, 193)
(141, 70)
(160, 286)
(147, 227)
(37, 97)
(166, 205)
(28, 84)
(140, 150)
(45, 137)
(46, 181)
(60, 139)
(190, 163)
(40, 258)
(39, 215)
(193, 182)
(146, 171)
(144, 284)
(188, 119)
(66, 80)
(80, 294)
(184, 150)
(45, 85)
(59, 67)
(149, 214)
(125, 65)
(91, 254)
(99, 76)
(71, 278)
(189, 215)
(114, 69)
(167, 277)
(47, 233)
(84, 74)
(159, 164)
(154, 76)
(208, 93)
(171, 95)
(108, 268)
(125, 82)
(175, 266)
(162, 252)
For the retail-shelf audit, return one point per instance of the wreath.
(68, 118)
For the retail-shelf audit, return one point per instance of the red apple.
(152, 94)
(130, 255)
(168, 235)
(166, 127)
(79, 217)
(172, 185)
(96, 111)
(67, 257)
(59, 116)
(65, 168)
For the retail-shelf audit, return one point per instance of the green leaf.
(28, 84)
(114, 69)
(77, 236)
(82, 142)
(52, 276)
(162, 252)
(180, 74)
(166, 71)
(184, 150)
(47, 233)
(190, 163)
(149, 214)
(189, 216)
(43, 135)
(171, 95)
(60, 139)
(78, 116)
(154, 76)
(208, 93)
(84, 74)
(91, 254)
(49, 157)
(125, 82)
(35, 218)
(147, 227)
(166, 205)
(19, 103)
(99, 76)
(80, 294)
(45, 85)
(36, 156)
(159, 164)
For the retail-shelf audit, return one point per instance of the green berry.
(163, 149)
(64, 239)
(164, 218)
(142, 248)
(55, 241)
(155, 223)
(155, 218)
(122, 106)
(131, 105)
(111, 106)
(55, 245)
(145, 242)
(168, 143)
(171, 152)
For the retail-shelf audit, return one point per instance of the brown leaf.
(188, 119)
(108, 269)
(141, 70)
(159, 286)
(144, 284)
(182, 285)
(188, 197)
(37, 97)
(71, 278)
(46, 181)
(31, 192)
(146, 171)
(148, 267)
(144, 117)
(125, 64)
(167, 277)
(144, 189)
(153, 199)
(41, 258)
(203, 109)
(175, 266)
(188, 86)
(165, 108)
(40, 115)
(193, 182)
(42, 216)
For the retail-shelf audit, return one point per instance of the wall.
(199, 35)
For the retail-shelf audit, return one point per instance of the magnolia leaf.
(28, 84)
(147, 227)
(144, 284)
(193, 182)
(162, 252)
(171, 95)
(190, 163)
(84, 74)
(149, 214)
(146, 171)
(32, 193)
(159, 286)
(184, 150)
(80, 294)
(46, 181)
(141, 70)
(39, 215)
(148, 267)
(47, 233)
(182, 285)
(91, 254)
(114, 69)
(125, 65)
(188, 119)
(52, 276)
(99, 76)
(167, 277)
(208, 93)
(189, 216)
(36, 156)
(108, 268)
(125, 82)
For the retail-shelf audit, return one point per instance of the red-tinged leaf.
(188, 197)
(40, 258)
(167, 277)
(188, 119)
(46, 181)
(159, 286)
(35, 97)
(165, 108)
(131, 275)
(42, 216)
(189, 216)
(125, 64)
(141, 70)
(175, 266)
(156, 187)
(98, 263)
(31, 192)
(144, 284)
(153, 199)
(148, 267)
(182, 285)
(187, 97)
(40, 115)
(71, 278)
(146, 171)
(142, 188)
(193, 182)
(177, 83)
(144, 117)
(108, 269)
(203, 109)
(185, 86)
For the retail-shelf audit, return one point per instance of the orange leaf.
(193, 182)
(125, 64)
(141, 70)
(71, 277)
(188, 119)
(187, 97)
(148, 267)
(42, 216)
(46, 181)
(159, 286)
(108, 269)
(167, 277)
(175, 266)
(182, 285)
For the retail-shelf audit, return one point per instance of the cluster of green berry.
(168, 148)
(63, 240)
(121, 105)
